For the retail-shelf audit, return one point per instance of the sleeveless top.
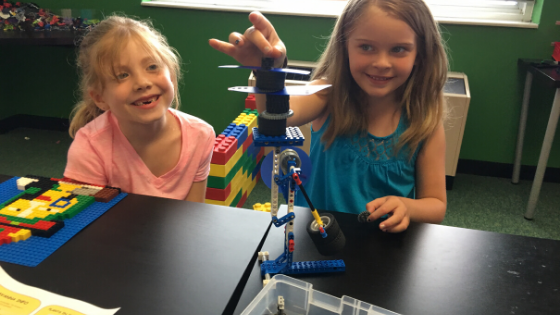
(358, 169)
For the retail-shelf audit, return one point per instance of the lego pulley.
(285, 170)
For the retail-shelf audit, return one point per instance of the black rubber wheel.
(335, 240)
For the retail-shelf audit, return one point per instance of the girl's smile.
(147, 102)
(379, 80)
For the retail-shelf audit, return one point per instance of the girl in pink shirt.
(125, 132)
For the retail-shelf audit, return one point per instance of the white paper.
(20, 299)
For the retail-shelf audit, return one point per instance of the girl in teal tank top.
(386, 64)
(356, 170)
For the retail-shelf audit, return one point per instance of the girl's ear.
(98, 100)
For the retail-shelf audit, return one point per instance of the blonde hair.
(100, 49)
(422, 94)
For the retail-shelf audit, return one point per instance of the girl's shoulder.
(193, 123)
(97, 126)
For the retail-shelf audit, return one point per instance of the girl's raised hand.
(258, 41)
(399, 217)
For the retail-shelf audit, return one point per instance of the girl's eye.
(365, 47)
(152, 67)
(122, 76)
(399, 49)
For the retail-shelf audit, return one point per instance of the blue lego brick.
(321, 266)
(35, 249)
(293, 137)
(240, 132)
(256, 170)
(302, 267)
(252, 151)
(271, 267)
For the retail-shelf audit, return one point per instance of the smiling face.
(141, 90)
(381, 51)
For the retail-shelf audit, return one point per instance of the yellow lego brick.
(252, 186)
(246, 183)
(235, 188)
(248, 120)
(20, 235)
(222, 170)
(262, 207)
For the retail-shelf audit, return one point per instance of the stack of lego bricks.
(236, 163)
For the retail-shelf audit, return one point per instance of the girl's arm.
(431, 202)
(261, 40)
(306, 108)
(197, 192)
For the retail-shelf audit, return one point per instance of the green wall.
(42, 80)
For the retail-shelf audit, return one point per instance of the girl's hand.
(399, 217)
(258, 41)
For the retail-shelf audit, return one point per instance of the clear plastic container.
(301, 299)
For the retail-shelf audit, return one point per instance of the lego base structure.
(35, 249)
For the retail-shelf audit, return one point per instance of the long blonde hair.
(100, 49)
(422, 94)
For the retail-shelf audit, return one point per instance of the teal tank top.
(358, 169)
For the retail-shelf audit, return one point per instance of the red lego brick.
(224, 148)
(247, 143)
(218, 194)
(260, 155)
(242, 201)
(250, 102)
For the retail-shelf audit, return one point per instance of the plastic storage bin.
(301, 299)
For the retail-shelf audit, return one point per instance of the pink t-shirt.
(100, 154)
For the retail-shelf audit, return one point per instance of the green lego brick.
(222, 182)
(32, 190)
(237, 198)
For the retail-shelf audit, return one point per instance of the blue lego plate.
(35, 249)
(288, 90)
(284, 70)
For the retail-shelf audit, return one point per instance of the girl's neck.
(140, 134)
(383, 106)
(383, 116)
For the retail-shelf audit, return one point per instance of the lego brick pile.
(21, 16)
(236, 163)
(38, 215)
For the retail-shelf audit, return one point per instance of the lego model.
(286, 171)
(43, 204)
(235, 165)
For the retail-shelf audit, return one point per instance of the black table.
(152, 255)
(548, 73)
(430, 269)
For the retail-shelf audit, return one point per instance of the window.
(481, 12)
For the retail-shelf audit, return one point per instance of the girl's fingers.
(236, 39)
(221, 46)
(373, 208)
(392, 221)
(261, 23)
(258, 39)
(402, 226)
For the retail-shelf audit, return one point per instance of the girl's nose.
(143, 82)
(381, 61)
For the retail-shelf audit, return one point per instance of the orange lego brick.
(106, 194)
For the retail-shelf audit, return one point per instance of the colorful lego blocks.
(234, 170)
(43, 205)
